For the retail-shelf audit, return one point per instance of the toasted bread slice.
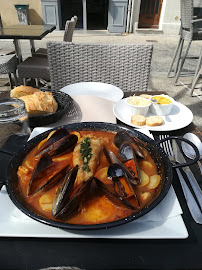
(154, 121)
(138, 120)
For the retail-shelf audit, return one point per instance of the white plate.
(98, 89)
(179, 117)
(14, 223)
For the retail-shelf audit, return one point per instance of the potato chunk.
(45, 202)
(154, 181)
(144, 179)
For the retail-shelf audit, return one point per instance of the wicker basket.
(64, 103)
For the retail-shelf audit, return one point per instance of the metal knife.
(191, 203)
(195, 186)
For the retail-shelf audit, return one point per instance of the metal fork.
(191, 202)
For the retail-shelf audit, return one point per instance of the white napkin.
(85, 109)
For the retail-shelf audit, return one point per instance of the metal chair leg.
(15, 78)
(182, 62)
(198, 67)
(174, 57)
(37, 82)
(10, 80)
(195, 81)
(179, 58)
(24, 81)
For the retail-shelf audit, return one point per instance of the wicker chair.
(125, 66)
(8, 65)
(189, 33)
(68, 34)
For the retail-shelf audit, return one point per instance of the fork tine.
(170, 148)
(164, 145)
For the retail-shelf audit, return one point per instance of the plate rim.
(157, 128)
(119, 90)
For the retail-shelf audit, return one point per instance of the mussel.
(128, 175)
(111, 157)
(113, 195)
(115, 171)
(41, 166)
(57, 135)
(61, 146)
(63, 193)
(68, 200)
(122, 137)
(128, 157)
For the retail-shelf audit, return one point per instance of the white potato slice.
(146, 166)
(154, 181)
(146, 196)
(144, 179)
(45, 202)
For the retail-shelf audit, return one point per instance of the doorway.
(96, 13)
(150, 11)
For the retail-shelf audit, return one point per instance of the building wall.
(169, 20)
(9, 14)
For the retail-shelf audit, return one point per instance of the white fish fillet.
(96, 147)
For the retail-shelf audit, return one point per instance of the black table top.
(36, 32)
(36, 253)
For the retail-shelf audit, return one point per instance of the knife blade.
(180, 159)
(191, 203)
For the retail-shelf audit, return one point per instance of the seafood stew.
(91, 176)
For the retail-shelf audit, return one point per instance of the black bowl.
(64, 102)
(163, 166)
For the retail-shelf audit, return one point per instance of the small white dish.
(138, 109)
(161, 109)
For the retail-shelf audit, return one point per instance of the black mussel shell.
(41, 165)
(65, 144)
(63, 193)
(122, 137)
(113, 196)
(73, 205)
(57, 135)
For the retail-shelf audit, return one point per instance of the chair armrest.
(197, 20)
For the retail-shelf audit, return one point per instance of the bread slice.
(23, 90)
(146, 96)
(138, 120)
(154, 121)
(40, 103)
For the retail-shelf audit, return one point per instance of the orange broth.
(97, 208)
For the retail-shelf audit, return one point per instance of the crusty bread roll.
(23, 90)
(154, 121)
(40, 103)
(138, 120)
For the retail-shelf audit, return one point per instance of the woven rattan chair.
(68, 34)
(189, 33)
(125, 66)
(8, 65)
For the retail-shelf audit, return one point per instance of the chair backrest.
(187, 12)
(125, 66)
(69, 29)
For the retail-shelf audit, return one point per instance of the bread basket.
(64, 103)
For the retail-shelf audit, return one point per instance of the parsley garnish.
(86, 153)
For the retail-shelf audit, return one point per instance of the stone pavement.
(163, 51)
